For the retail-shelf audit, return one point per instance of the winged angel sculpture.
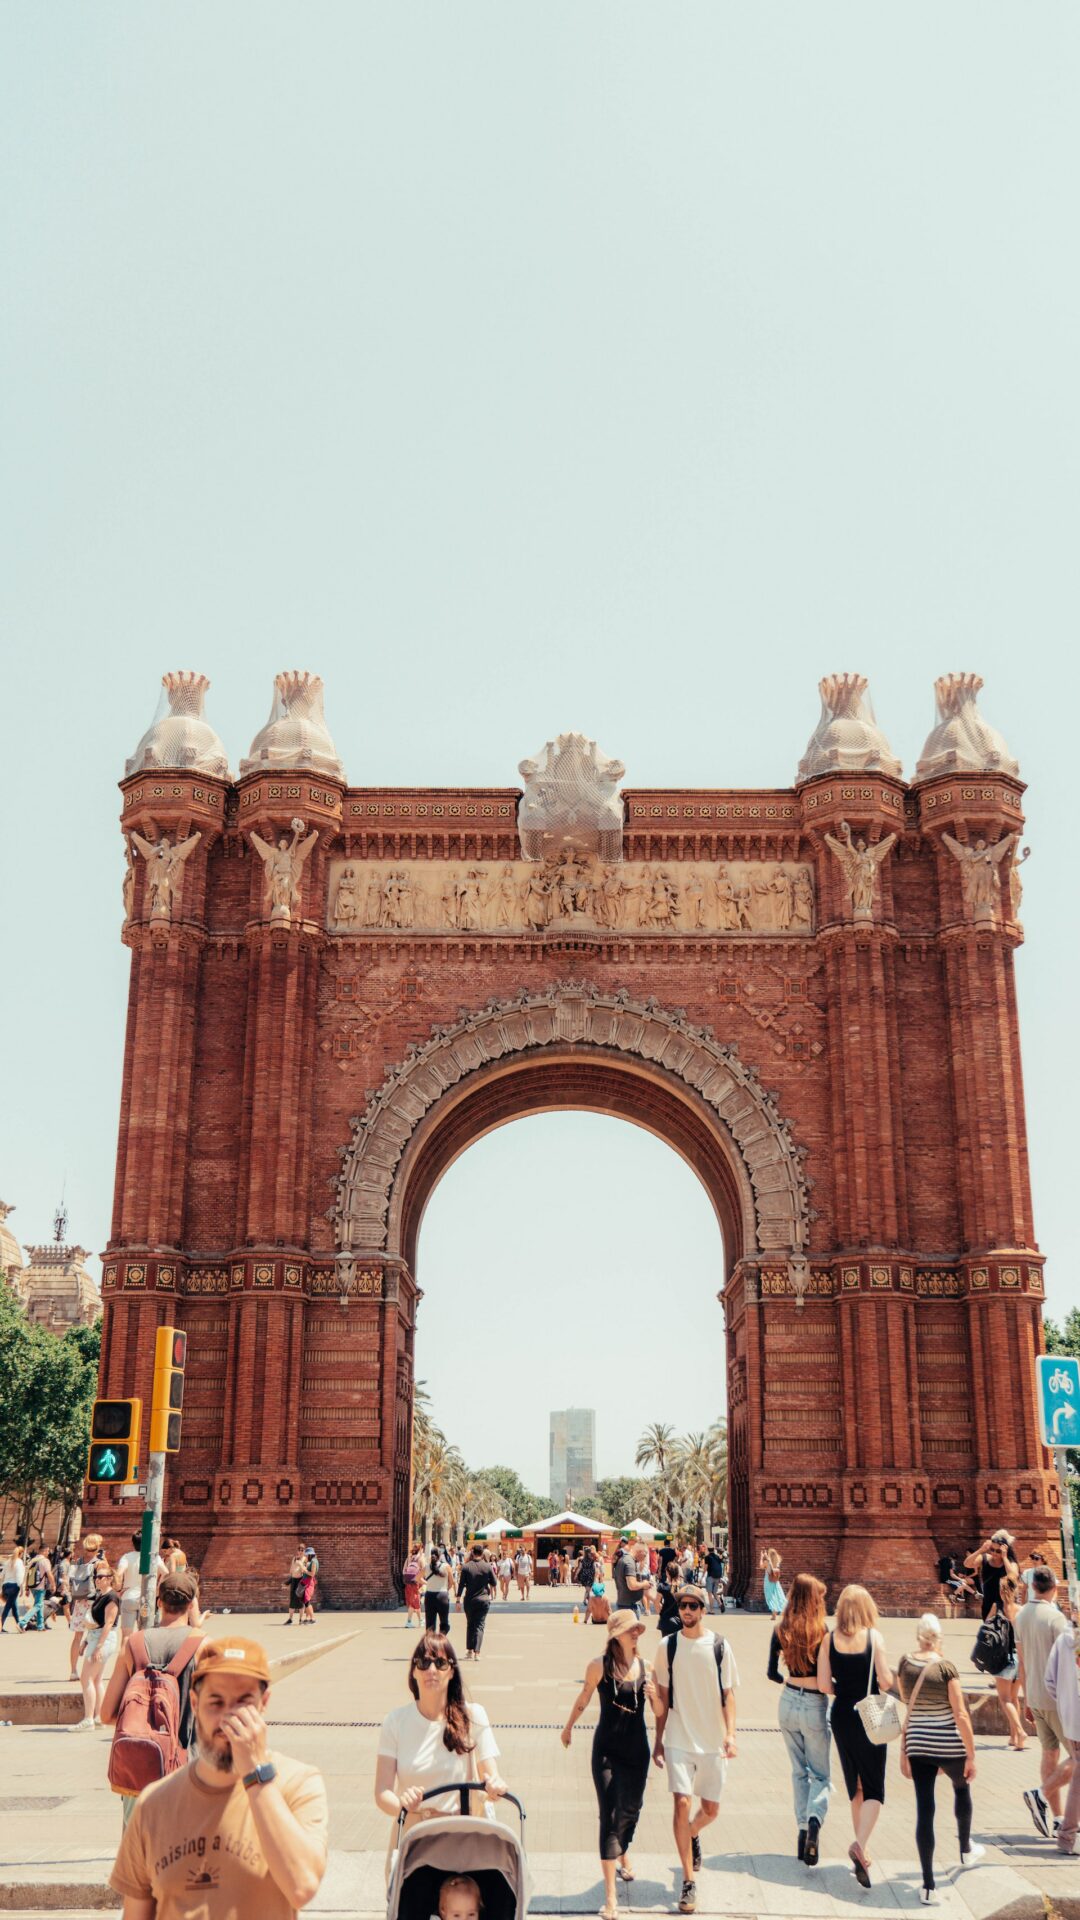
(284, 865)
(164, 870)
(860, 865)
(980, 876)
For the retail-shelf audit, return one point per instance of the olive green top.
(934, 1692)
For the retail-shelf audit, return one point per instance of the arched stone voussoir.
(755, 1137)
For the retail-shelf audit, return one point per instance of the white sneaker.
(929, 1897)
(975, 1852)
(80, 1725)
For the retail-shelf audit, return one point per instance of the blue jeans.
(11, 1603)
(804, 1723)
(38, 1606)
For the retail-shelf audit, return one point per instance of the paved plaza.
(60, 1822)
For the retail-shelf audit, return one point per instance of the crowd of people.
(670, 1707)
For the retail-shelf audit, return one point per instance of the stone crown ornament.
(962, 741)
(571, 800)
(296, 734)
(847, 738)
(181, 736)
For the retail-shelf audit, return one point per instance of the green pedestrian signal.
(109, 1462)
(114, 1442)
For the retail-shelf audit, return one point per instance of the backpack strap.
(139, 1651)
(184, 1653)
(672, 1645)
(719, 1650)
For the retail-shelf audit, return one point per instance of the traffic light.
(170, 1355)
(114, 1442)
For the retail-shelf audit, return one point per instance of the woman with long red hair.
(804, 1710)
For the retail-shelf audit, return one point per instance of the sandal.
(625, 1873)
(860, 1863)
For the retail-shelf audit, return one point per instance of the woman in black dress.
(851, 1664)
(620, 1753)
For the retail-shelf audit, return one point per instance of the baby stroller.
(463, 1843)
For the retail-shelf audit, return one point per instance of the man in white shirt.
(523, 1568)
(129, 1584)
(696, 1678)
(1038, 1625)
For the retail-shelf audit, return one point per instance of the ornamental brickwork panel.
(808, 991)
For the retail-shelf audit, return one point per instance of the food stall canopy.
(642, 1529)
(567, 1523)
(494, 1528)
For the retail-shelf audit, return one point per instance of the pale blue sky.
(607, 367)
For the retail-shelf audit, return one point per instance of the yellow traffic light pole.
(170, 1356)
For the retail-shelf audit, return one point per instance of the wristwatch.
(260, 1775)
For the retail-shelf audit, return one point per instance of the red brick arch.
(573, 1046)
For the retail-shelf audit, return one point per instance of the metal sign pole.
(155, 1488)
(1061, 1458)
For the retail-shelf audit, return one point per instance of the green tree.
(49, 1385)
(1064, 1339)
(515, 1501)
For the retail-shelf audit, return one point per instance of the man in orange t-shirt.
(240, 1831)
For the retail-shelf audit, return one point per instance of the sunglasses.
(689, 1606)
(427, 1660)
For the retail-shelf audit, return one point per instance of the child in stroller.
(460, 1866)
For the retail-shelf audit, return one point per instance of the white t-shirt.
(128, 1578)
(523, 1563)
(506, 1568)
(13, 1573)
(421, 1760)
(696, 1722)
(439, 1581)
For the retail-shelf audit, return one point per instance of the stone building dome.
(847, 738)
(962, 741)
(181, 736)
(57, 1290)
(296, 734)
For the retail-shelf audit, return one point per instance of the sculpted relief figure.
(861, 865)
(346, 900)
(284, 867)
(165, 870)
(980, 876)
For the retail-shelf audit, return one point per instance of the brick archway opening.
(570, 1048)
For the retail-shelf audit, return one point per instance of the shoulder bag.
(879, 1712)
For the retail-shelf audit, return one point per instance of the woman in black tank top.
(620, 1752)
(848, 1672)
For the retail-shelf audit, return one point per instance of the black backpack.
(719, 1650)
(993, 1647)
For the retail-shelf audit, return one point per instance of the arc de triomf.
(807, 991)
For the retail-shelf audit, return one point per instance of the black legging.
(437, 1612)
(924, 1775)
(476, 1613)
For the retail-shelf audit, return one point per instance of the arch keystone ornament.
(801, 990)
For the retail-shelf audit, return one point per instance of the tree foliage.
(49, 1385)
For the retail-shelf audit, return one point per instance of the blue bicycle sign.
(1059, 1399)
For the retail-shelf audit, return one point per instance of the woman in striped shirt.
(937, 1738)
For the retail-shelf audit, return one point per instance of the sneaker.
(1037, 1807)
(810, 1852)
(695, 1852)
(80, 1726)
(688, 1897)
(929, 1897)
(975, 1852)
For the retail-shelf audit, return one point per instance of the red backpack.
(146, 1737)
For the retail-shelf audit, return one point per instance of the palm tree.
(654, 1447)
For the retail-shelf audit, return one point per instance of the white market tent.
(494, 1528)
(567, 1519)
(642, 1529)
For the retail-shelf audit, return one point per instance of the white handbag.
(879, 1712)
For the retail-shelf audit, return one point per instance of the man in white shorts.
(129, 1580)
(696, 1678)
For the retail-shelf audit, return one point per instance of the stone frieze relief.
(761, 897)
